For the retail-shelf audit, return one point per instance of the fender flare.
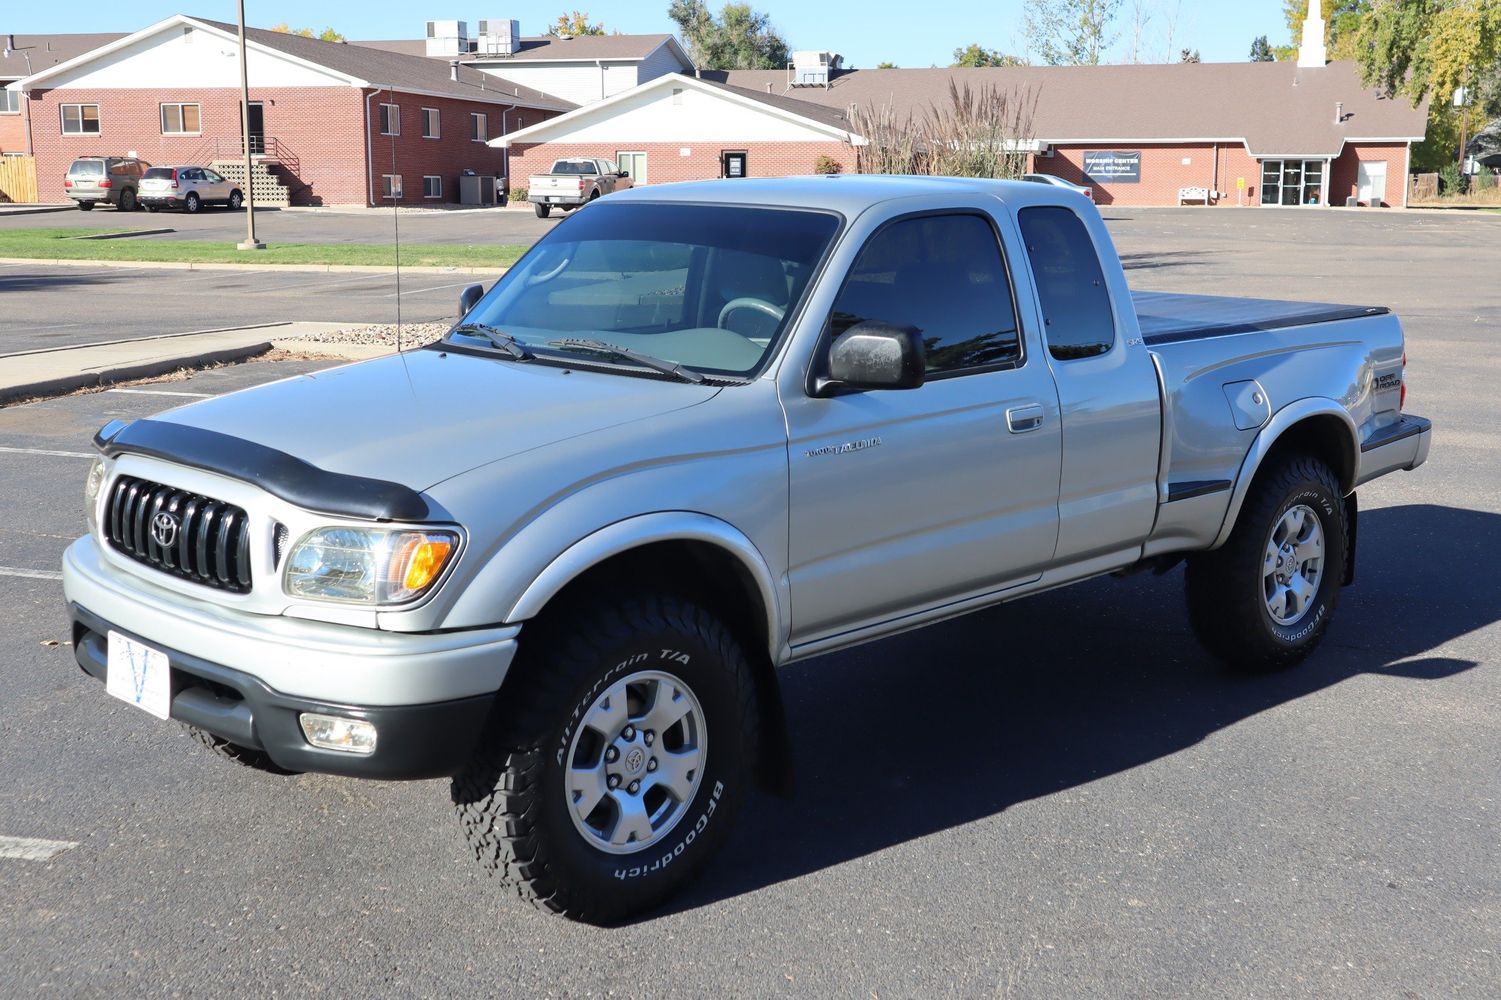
(644, 529)
(1284, 419)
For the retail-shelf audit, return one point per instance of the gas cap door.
(1248, 404)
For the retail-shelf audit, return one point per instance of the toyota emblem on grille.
(164, 529)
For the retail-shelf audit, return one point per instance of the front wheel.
(543, 211)
(612, 769)
(1263, 600)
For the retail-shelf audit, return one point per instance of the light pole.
(1462, 101)
(251, 243)
(10, 46)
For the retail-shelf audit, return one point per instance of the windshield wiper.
(645, 360)
(507, 343)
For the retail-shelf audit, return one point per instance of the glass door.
(633, 164)
(1292, 182)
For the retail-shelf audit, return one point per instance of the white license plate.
(140, 675)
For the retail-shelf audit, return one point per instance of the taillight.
(67, 183)
(174, 178)
(1402, 397)
(106, 184)
(581, 184)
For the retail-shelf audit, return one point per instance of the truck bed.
(1167, 318)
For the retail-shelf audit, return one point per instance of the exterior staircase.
(267, 186)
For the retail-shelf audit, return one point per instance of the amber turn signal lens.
(425, 562)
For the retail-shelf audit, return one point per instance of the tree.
(326, 35)
(1070, 32)
(740, 38)
(1261, 51)
(575, 23)
(1418, 48)
(1189, 56)
(976, 55)
(886, 65)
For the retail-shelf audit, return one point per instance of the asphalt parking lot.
(1062, 797)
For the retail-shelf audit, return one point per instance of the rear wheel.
(1264, 599)
(543, 211)
(127, 200)
(236, 199)
(192, 202)
(611, 772)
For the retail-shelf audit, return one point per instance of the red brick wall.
(1344, 173)
(665, 162)
(1163, 172)
(322, 126)
(448, 155)
(13, 132)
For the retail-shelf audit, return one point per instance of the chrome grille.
(210, 543)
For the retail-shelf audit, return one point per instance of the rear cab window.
(944, 275)
(87, 168)
(1078, 321)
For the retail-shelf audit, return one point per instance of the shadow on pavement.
(1166, 258)
(956, 722)
(61, 277)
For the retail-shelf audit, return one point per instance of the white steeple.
(1311, 51)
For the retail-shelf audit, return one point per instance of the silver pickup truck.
(573, 182)
(695, 433)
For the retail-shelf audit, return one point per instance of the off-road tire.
(1226, 604)
(256, 760)
(510, 798)
(543, 211)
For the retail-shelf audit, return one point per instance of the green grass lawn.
(54, 244)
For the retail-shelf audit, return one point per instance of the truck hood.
(425, 416)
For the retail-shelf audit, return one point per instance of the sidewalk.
(52, 371)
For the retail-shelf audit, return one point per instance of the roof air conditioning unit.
(499, 38)
(447, 38)
(812, 69)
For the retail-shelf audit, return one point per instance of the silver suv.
(112, 179)
(187, 187)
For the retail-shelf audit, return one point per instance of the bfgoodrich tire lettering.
(513, 797)
(1232, 603)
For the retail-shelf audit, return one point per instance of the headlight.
(91, 487)
(372, 566)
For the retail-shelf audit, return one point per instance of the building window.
(390, 119)
(432, 186)
(677, 95)
(180, 119)
(479, 127)
(429, 123)
(1292, 182)
(80, 119)
(634, 164)
(390, 186)
(10, 102)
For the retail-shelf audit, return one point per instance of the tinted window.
(944, 276)
(83, 168)
(162, 172)
(574, 167)
(1075, 303)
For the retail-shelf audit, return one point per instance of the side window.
(1077, 320)
(942, 274)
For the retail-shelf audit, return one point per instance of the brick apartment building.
(333, 123)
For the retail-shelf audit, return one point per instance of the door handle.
(1020, 419)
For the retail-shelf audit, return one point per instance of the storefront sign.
(1113, 167)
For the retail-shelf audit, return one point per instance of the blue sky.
(866, 32)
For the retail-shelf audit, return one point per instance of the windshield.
(705, 286)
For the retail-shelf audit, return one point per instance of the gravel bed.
(381, 335)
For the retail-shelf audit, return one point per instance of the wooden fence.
(17, 179)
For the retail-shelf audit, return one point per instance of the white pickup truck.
(696, 433)
(573, 182)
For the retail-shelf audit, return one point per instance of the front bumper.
(246, 677)
(413, 741)
(1401, 446)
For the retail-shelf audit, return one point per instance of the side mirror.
(624, 173)
(876, 355)
(468, 297)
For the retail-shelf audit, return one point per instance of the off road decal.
(682, 845)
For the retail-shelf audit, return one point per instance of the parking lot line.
(434, 288)
(46, 451)
(161, 392)
(30, 574)
(32, 849)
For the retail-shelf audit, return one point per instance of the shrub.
(826, 164)
(518, 194)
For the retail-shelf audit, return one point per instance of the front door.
(1372, 180)
(907, 500)
(257, 128)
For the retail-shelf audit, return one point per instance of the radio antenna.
(396, 226)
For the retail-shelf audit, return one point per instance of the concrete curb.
(173, 265)
(6, 210)
(125, 373)
(160, 336)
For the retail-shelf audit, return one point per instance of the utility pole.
(24, 96)
(251, 243)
